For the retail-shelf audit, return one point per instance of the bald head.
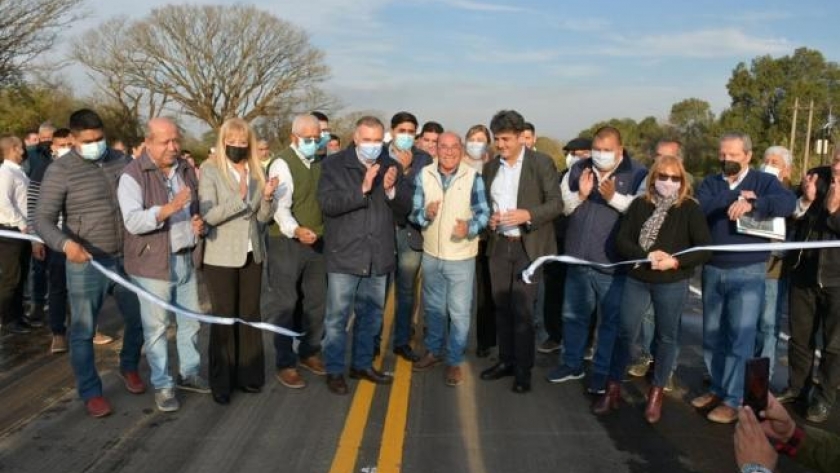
(163, 142)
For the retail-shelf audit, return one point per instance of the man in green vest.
(295, 273)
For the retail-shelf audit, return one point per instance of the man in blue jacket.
(358, 198)
(733, 282)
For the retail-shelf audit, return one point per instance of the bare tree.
(222, 61)
(103, 50)
(29, 28)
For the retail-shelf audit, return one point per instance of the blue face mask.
(325, 138)
(92, 151)
(369, 151)
(307, 148)
(404, 141)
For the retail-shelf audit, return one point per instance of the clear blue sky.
(562, 64)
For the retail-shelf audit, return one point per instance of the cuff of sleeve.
(155, 210)
(391, 193)
(791, 447)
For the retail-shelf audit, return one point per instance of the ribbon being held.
(142, 293)
(784, 246)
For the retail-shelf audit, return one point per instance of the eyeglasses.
(309, 140)
(666, 177)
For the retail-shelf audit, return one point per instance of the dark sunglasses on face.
(665, 177)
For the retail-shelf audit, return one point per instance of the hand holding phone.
(757, 384)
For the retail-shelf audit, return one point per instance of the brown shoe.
(59, 344)
(336, 384)
(608, 401)
(653, 411)
(454, 376)
(723, 414)
(314, 365)
(290, 378)
(706, 401)
(426, 363)
(102, 339)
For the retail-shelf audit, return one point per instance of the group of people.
(310, 238)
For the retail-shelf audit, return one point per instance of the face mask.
(31, 149)
(771, 169)
(369, 151)
(236, 154)
(603, 160)
(307, 148)
(325, 138)
(59, 152)
(92, 151)
(667, 188)
(730, 168)
(571, 160)
(404, 141)
(476, 149)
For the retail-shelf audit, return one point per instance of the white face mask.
(771, 169)
(476, 149)
(59, 152)
(603, 160)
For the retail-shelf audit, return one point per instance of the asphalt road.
(418, 425)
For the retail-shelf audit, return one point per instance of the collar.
(519, 160)
(737, 181)
(12, 165)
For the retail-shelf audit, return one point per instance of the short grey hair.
(304, 121)
(780, 151)
(371, 122)
(742, 137)
(46, 127)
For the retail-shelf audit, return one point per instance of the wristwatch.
(755, 468)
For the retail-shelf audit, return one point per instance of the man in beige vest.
(450, 205)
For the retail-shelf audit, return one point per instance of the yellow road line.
(393, 432)
(350, 441)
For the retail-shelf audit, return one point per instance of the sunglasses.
(666, 177)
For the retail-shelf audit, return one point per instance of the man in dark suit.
(522, 188)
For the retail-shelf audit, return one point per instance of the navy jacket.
(405, 189)
(358, 228)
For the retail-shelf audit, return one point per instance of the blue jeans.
(768, 324)
(540, 331)
(668, 301)
(181, 290)
(586, 289)
(644, 345)
(348, 294)
(408, 265)
(448, 289)
(87, 288)
(732, 301)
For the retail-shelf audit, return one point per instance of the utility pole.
(808, 135)
(793, 126)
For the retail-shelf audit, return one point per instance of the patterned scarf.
(650, 229)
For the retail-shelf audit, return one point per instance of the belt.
(184, 251)
(511, 237)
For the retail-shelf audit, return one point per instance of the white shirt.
(247, 192)
(13, 200)
(505, 191)
(283, 194)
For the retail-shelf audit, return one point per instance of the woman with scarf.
(658, 224)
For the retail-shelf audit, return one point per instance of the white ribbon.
(747, 247)
(144, 294)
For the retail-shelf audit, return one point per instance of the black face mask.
(730, 168)
(236, 154)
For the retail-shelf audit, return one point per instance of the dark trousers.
(484, 311)
(294, 275)
(810, 308)
(57, 294)
(555, 286)
(14, 269)
(514, 301)
(235, 351)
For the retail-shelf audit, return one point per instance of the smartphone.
(757, 384)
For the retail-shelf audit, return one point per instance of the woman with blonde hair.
(663, 221)
(477, 148)
(235, 201)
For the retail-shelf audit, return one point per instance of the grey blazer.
(230, 220)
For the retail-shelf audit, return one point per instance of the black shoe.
(251, 389)
(522, 381)
(482, 352)
(789, 395)
(336, 384)
(36, 316)
(17, 327)
(221, 398)
(376, 352)
(497, 371)
(407, 353)
(818, 412)
(371, 375)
